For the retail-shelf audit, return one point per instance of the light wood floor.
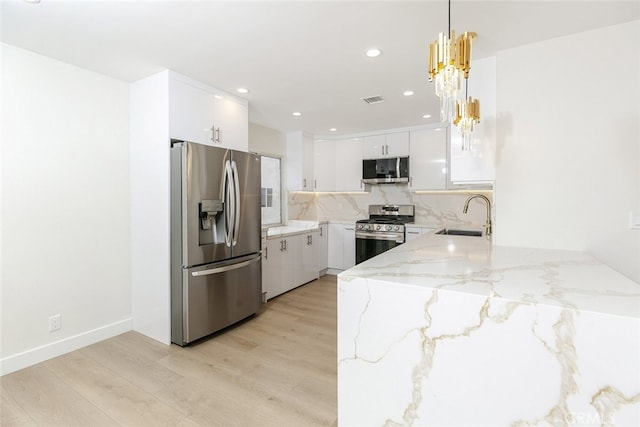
(276, 369)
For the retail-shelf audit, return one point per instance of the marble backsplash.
(432, 209)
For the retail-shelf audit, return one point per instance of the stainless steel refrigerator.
(216, 276)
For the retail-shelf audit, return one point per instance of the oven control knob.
(396, 228)
(388, 228)
(378, 227)
(360, 226)
(367, 227)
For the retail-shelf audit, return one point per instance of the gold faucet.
(487, 225)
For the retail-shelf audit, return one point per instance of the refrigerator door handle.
(229, 203)
(236, 208)
(225, 268)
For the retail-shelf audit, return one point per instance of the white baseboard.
(40, 354)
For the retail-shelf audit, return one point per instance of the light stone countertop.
(473, 265)
(452, 330)
(292, 228)
(298, 227)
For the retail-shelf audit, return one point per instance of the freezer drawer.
(215, 296)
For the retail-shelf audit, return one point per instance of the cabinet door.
(324, 165)
(299, 162)
(428, 159)
(475, 166)
(309, 251)
(374, 147)
(336, 249)
(348, 165)
(397, 144)
(412, 232)
(190, 113)
(231, 123)
(323, 247)
(292, 264)
(349, 246)
(272, 269)
(307, 163)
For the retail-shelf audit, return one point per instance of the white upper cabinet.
(190, 112)
(205, 115)
(230, 123)
(428, 159)
(373, 147)
(337, 164)
(475, 166)
(388, 145)
(324, 165)
(300, 159)
(348, 165)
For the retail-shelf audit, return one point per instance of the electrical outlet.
(54, 323)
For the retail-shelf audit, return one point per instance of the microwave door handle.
(397, 167)
(228, 209)
(236, 210)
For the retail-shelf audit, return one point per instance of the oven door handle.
(396, 237)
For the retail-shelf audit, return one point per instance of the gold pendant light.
(467, 116)
(449, 64)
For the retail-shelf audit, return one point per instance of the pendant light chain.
(449, 33)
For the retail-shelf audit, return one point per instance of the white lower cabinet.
(323, 248)
(342, 245)
(277, 275)
(309, 255)
(349, 245)
(415, 231)
(288, 262)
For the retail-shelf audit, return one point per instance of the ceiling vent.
(373, 99)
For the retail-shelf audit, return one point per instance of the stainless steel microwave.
(384, 171)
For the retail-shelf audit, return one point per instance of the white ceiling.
(305, 56)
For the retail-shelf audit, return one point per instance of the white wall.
(65, 207)
(264, 140)
(568, 150)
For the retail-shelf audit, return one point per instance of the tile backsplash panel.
(432, 209)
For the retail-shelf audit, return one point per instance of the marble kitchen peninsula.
(450, 330)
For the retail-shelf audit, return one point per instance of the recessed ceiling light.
(407, 93)
(372, 53)
(426, 116)
(297, 113)
(333, 130)
(242, 90)
(32, 1)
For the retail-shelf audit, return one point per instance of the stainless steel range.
(383, 230)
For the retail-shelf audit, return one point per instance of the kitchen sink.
(454, 232)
